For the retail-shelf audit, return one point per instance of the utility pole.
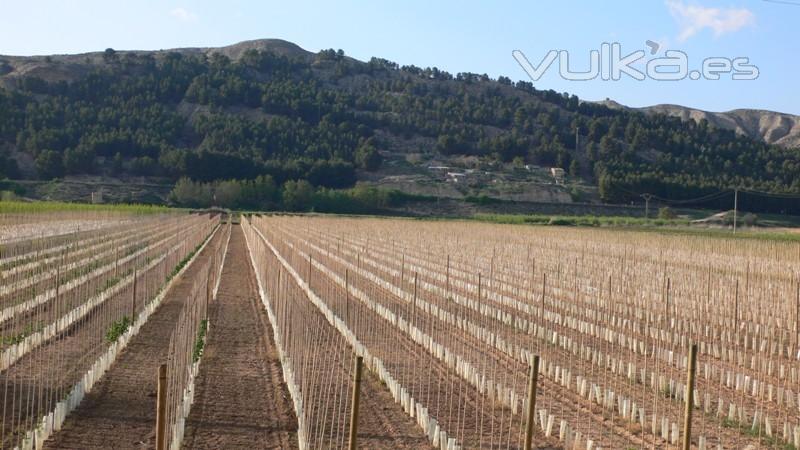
(646, 198)
(735, 208)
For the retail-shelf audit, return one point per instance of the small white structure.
(97, 197)
(558, 174)
(455, 176)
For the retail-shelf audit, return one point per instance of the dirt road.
(241, 400)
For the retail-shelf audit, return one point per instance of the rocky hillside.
(770, 126)
(268, 108)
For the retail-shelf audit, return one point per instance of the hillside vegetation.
(272, 110)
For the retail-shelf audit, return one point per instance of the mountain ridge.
(269, 108)
(772, 127)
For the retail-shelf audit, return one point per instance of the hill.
(769, 126)
(271, 111)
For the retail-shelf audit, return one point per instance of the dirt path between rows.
(119, 413)
(241, 400)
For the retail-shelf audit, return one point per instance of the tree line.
(263, 194)
(322, 118)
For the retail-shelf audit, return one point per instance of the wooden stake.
(544, 291)
(666, 304)
(735, 208)
(687, 418)
(448, 277)
(415, 295)
(403, 270)
(208, 289)
(531, 402)
(354, 404)
(736, 306)
(479, 287)
(133, 297)
(797, 317)
(161, 408)
(491, 271)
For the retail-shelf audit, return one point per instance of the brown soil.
(382, 422)
(120, 411)
(241, 400)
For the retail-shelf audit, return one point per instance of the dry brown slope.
(769, 126)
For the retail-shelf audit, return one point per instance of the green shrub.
(666, 213)
(561, 221)
(118, 328)
(200, 343)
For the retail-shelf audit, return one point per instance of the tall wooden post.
(208, 288)
(491, 271)
(480, 296)
(666, 302)
(687, 417)
(403, 270)
(133, 297)
(161, 408)
(448, 277)
(544, 291)
(735, 208)
(531, 402)
(736, 306)
(414, 306)
(354, 404)
(347, 296)
(58, 286)
(797, 317)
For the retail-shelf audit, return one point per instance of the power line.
(715, 195)
(783, 2)
(704, 198)
(771, 194)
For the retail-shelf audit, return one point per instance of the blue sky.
(455, 36)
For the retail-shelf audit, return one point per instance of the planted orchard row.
(618, 374)
(62, 342)
(188, 336)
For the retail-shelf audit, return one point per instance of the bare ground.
(241, 400)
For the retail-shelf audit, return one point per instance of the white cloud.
(183, 15)
(694, 18)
